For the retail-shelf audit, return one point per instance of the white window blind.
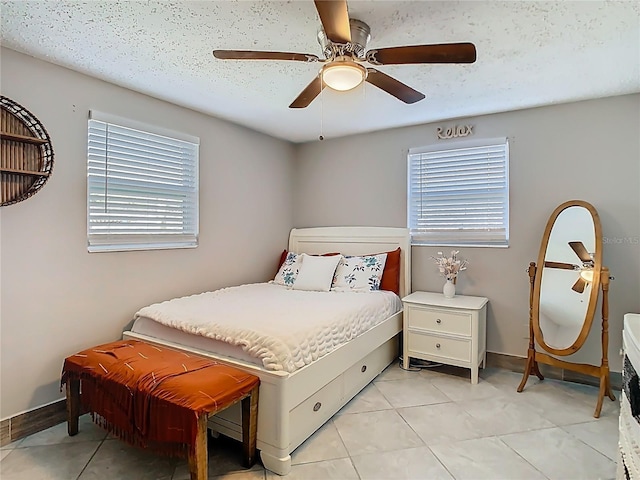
(459, 195)
(142, 187)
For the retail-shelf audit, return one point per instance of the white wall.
(56, 298)
(586, 150)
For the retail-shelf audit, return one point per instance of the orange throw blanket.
(153, 396)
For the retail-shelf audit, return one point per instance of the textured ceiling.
(529, 54)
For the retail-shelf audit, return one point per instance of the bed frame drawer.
(362, 372)
(318, 408)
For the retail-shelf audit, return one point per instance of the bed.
(294, 404)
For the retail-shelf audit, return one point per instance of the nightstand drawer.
(439, 320)
(458, 349)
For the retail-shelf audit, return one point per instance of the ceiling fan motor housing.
(360, 36)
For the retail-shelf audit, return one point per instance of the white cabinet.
(628, 424)
(445, 330)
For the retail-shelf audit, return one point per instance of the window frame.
(469, 239)
(111, 242)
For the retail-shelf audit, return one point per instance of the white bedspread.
(286, 329)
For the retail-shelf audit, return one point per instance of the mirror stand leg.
(527, 371)
(532, 364)
(604, 282)
(603, 384)
(605, 388)
(536, 370)
(530, 368)
(605, 378)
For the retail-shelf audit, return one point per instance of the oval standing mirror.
(565, 285)
(566, 291)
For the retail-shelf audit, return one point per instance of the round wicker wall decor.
(26, 155)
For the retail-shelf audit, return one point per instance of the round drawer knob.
(363, 369)
(317, 406)
(437, 345)
(438, 321)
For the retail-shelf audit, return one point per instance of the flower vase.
(449, 289)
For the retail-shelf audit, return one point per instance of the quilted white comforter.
(286, 329)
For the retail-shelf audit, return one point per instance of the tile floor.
(431, 424)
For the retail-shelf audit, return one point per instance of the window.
(459, 195)
(142, 188)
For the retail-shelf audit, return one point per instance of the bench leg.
(198, 455)
(250, 426)
(73, 404)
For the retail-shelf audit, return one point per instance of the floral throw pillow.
(288, 271)
(359, 274)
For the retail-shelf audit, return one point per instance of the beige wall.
(586, 150)
(56, 298)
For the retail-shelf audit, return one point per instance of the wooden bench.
(159, 398)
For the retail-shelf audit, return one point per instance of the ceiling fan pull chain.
(364, 93)
(321, 137)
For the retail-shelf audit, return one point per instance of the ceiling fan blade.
(441, 53)
(564, 266)
(335, 20)
(579, 285)
(253, 55)
(392, 86)
(309, 93)
(581, 252)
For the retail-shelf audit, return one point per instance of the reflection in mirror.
(564, 294)
(564, 289)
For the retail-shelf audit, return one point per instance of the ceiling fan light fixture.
(586, 273)
(343, 75)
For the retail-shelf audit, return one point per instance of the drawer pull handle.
(317, 406)
(363, 369)
(437, 345)
(438, 321)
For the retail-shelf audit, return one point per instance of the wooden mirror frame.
(595, 283)
(600, 281)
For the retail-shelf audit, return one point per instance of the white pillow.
(359, 274)
(316, 273)
(288, 271)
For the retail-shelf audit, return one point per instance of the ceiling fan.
(586, 270)
(343, 42)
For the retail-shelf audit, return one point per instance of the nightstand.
(445, 330)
